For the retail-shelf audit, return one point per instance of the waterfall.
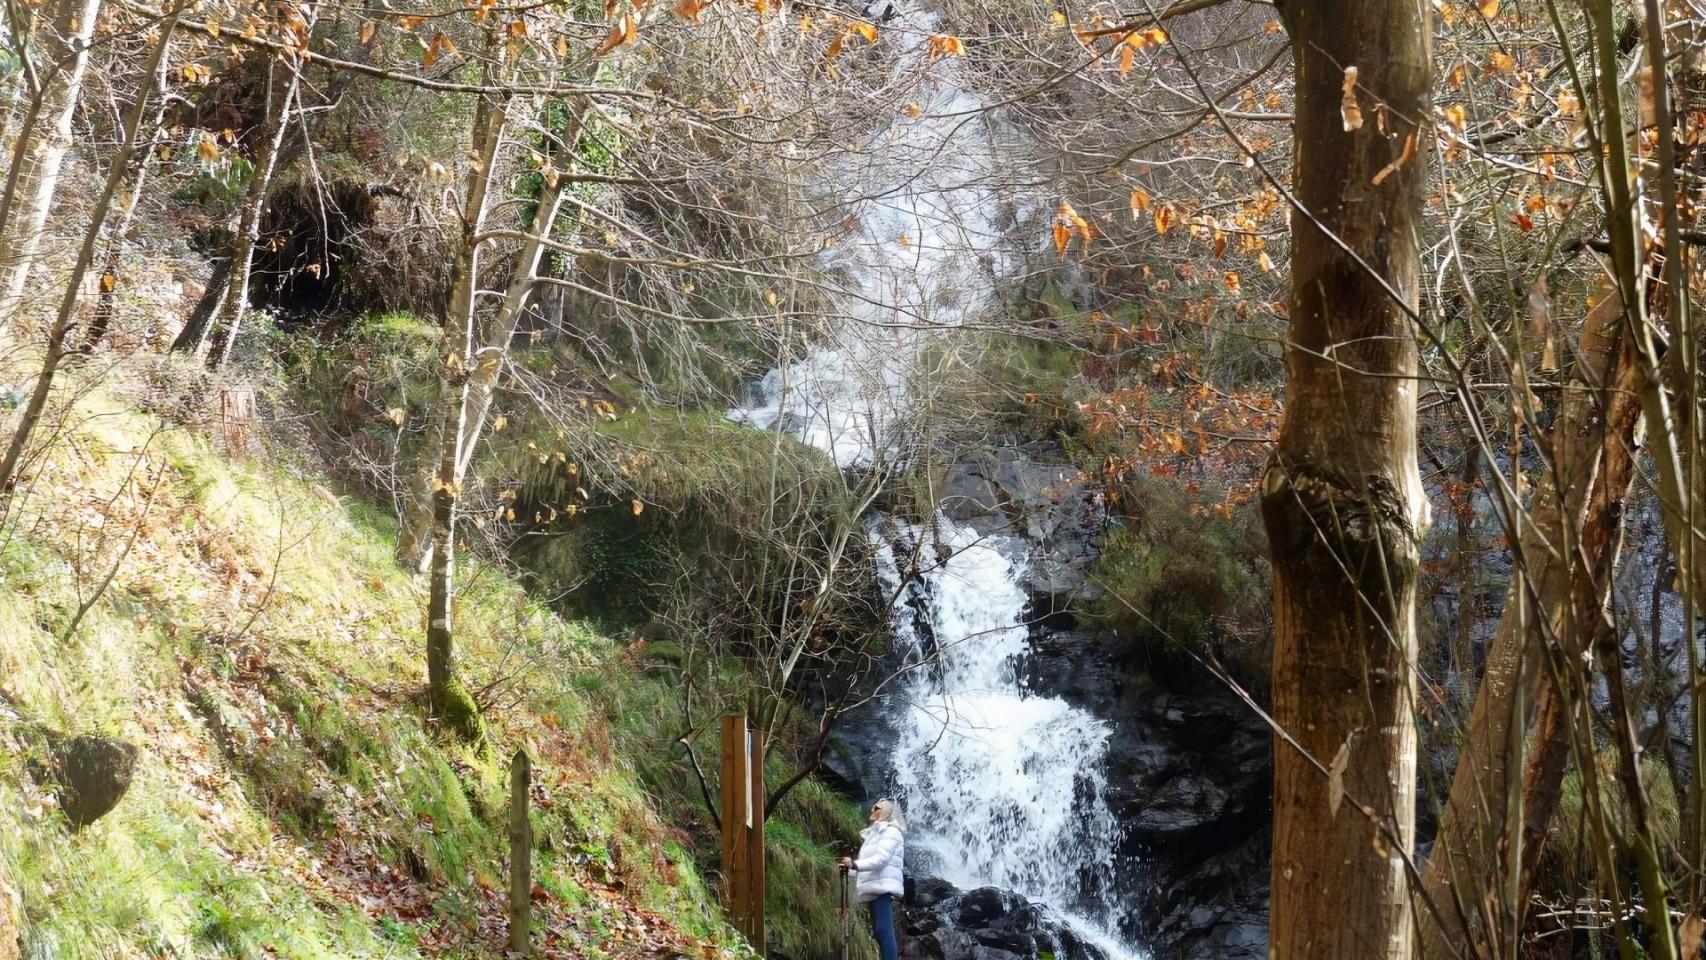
(1003, 787)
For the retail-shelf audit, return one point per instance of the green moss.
(1178, 578)
(453, 706)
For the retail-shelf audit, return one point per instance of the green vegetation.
(260, 647)
(1179, 578)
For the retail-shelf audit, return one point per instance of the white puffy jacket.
(879, 862)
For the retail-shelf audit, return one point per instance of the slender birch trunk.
(448, 700)
(62, 322)
(65, 55)
(283, 82)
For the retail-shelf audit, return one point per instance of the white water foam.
(1004, 787)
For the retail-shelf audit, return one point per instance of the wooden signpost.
(743, 828)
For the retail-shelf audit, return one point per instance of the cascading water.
(1004, 788)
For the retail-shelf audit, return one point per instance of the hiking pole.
(846, 913)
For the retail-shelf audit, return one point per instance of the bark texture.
(57, 333)
(1342, 496)
(448, 699)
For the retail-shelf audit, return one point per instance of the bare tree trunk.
(1342, 496)
(136, 174)
(1564, 557)
(485, 366)
(85, 255)
(194, 333)
(482, 382)
(283, 81)
(448, 700)
(65, 49)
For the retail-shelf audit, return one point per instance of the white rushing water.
(1002, 787)
(922, 252)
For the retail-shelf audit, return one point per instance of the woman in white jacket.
(878, 868)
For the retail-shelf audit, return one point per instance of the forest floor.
(259, 647)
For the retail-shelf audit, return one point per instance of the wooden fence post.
(743, 828)
(734, 817)
(520, 855)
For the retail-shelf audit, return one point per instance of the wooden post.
(755, 843)
(743, 828)
(520, 855)
(734, 787)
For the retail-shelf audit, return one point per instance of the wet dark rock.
(89, 774)
(936, 920)
(1034, 493)
(1188, 774)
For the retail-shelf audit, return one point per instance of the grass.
(263, 652)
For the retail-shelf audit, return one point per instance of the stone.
(937, 920)
(968, 495)
(89, 774)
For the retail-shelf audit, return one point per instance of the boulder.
(936, 920)
(89, 774)
(1034, 493)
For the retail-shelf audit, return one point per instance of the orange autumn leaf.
(621, 33)
(690, 9)
(937, 46)
(1139, 201)
(1164, 218)
(1062, 237)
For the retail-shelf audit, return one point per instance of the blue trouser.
(882, 926)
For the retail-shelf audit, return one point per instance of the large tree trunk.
(1342, 496)
(1567, 548)
(64, 61)
(61, 327)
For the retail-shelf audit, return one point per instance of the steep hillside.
(261, 652)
